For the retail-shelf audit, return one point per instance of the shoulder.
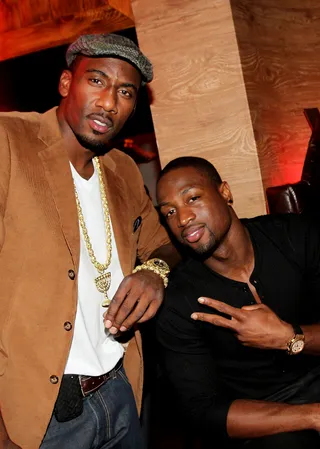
(174, 325)
(10, 120)
(283, 224)
(123, 166)
(180, 284)
(294, 234)
(16, 129)
(125, 170)
(119, 161)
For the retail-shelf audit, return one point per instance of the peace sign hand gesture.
(255, 325)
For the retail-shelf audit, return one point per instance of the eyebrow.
(104, 75)
(165, 203)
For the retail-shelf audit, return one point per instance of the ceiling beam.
(61, 28)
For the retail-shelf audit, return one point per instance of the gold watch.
(296, 344)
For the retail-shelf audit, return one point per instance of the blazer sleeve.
(4, 178)
(152, 234)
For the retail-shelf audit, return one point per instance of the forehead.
(111, 67)
(179, 180)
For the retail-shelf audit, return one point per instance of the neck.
(80, 157)
(234, 258)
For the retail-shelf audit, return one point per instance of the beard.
(204, 249)
(90, 143)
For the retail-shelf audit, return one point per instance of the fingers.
(117, 301)
(144, 311)
(136, 300)
(234, 312)
(214, 319)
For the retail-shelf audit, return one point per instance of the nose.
(185, 216)
(108, 100)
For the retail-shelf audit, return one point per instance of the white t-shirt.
(94, 350)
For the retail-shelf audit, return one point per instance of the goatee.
(97, 147)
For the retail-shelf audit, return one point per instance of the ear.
(65, 83)
(225, 192)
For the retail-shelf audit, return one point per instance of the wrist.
(287, 335)
(157, 266)
(296, 343)
(311, 413)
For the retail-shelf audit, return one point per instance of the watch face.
(297, 346)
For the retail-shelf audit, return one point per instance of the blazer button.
(71, 274)
(67, 326)
(54, 379)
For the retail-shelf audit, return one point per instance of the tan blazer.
(39, 245)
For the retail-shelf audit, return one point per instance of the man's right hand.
(255, 325)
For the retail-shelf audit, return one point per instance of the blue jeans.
(109, 420)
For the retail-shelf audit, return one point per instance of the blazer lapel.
(57, 170)
(118, 207)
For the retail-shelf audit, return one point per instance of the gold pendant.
(103, 283)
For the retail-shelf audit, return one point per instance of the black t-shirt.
(207, 365)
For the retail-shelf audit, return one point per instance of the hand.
(137, 299)
(256, 325)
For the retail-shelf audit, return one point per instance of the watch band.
(297, 330)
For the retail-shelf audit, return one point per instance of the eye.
(169, 213)
(125, 93)
(194, 198)
(95, 81)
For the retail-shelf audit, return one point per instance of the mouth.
(100, 123)
(193, 234)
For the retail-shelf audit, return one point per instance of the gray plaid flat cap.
(111, 45)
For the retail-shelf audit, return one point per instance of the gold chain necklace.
(103, 281)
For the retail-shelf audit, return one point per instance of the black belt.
(74, 388)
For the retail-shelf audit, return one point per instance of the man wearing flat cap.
(74, 217)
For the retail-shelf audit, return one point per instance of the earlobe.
(65, 82)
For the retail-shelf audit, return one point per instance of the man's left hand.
(137, 299)
(255, 325)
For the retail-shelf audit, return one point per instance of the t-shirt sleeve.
(188, 363)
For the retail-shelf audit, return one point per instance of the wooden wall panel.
(199, 100)
(9, 16)
(279, 44)
(34, 11)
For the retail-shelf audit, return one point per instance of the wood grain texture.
(124, 6)
(199, 100)
(279, 44)
(27, 26)
(9, 16)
